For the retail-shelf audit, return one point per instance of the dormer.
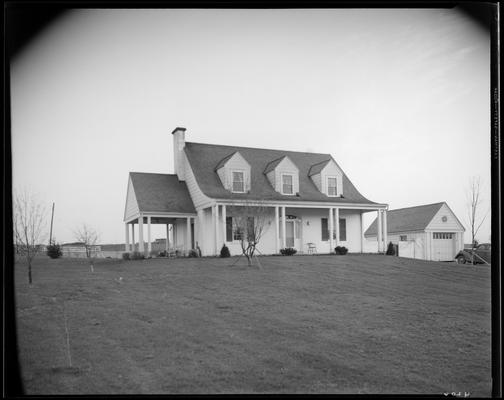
(328, 178)
(234, 173)
(283, 175)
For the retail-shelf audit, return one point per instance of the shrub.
(126, 256)
(341, 250)
(54, 251)
(288, 251)
(162, 253)
(390, 250)
(136, 255)
(153, 253)
(192, 253)
(224, 253)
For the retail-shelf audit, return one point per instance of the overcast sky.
(400, 98)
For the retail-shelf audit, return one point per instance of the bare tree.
(29, 215)
(89, 238)
(249, 222)
(474, 204)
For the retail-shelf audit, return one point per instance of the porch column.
(224, 226)
(283, 228)
(201, 231)
(174, 235)
(384, 213)
(277, 230)
(336, 221)
(362, 231)
(331, 229)
(167, 237)
(133, 236)
(126, 231)
(215, 221)
(379, 237)
(140, 234)
(149, 244)
(188, 234)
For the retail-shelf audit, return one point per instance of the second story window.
(331, 186)
(287, 187)
(238, 182)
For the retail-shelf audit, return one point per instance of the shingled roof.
(407, 219)
(161, 193)
(204, 157)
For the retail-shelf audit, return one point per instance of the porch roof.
(161, 193)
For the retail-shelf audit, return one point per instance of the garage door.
(443, 247)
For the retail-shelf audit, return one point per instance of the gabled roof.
(204, 157)
(273, 164)
(161, 193)
(407, 219)
(315, 169)
(224, 160)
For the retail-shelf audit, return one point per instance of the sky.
(399, 97)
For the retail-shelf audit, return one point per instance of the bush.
(54, 251)
(224, 253)
(162, 253)
(288, 251)
(136, 255)
(125, 256)
(390, 250)
(341, 250)
(192, 254)
(153, 253)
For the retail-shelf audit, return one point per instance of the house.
(308, 197)
(78, 249)
(428, 232)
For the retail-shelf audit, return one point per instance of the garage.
(429, 232)
(443, 247)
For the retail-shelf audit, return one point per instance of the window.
(287, 187)
(325, 230)
(342, 229)
(442, 235)
(238, 182)
(229, 229)
(403, 238)
(331, 186)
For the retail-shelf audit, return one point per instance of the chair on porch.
(312, 249)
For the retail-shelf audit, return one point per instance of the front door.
(289, 234)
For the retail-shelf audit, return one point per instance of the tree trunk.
(29, 272)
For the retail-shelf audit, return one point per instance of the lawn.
(302, 324)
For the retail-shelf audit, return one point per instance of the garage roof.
(407, 219)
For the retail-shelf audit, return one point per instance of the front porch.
(309, 229)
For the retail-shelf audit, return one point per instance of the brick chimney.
(178, 149)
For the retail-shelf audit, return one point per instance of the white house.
(428, 232)
(308, 195)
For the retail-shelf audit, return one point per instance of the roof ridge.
(258, 148)
(151, 173)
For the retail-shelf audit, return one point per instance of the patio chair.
(312, 249)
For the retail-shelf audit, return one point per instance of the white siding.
(271, 177)
(317, 180)
(451, 224)
(235, 163)
(286, 166)
(198, 198)
(419, 245)
(331, 169)
(131, 208)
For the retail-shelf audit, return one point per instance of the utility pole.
(50, 234)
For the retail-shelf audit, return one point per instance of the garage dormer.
(328, 178)
(283, 175)
(234, 173)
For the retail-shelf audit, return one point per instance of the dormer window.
(287, 184)
(238, 182)
(332, 186)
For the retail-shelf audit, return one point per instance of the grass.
(324, 324)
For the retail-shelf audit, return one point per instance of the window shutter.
(325, 230)
(229, 229)
(342, 229)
